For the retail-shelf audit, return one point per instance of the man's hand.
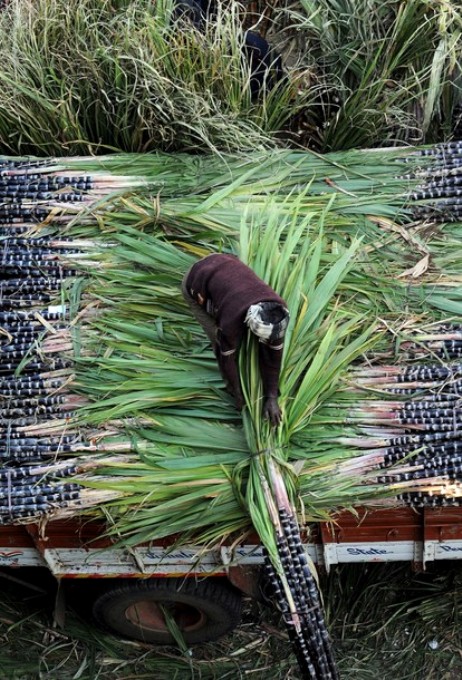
(272, 411)
(239, 401)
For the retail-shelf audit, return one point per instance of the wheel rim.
(150, 615)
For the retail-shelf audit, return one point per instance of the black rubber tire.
(203, 610)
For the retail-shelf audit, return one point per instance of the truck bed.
(78, 548)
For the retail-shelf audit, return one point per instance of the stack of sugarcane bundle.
(439, 184)
(412, 433)
(109, 385)
(35, 360)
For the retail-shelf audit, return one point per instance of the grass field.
(387, 623)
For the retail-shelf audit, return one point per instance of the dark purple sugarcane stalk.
(437, 402)
(451, 471)
(449, 350)
(423, 378)
(29, 321)
(436, 372)
(423, 500)
(26, 389)
(387, 407)
(309, 629)
(33, 366)
(438, 485)
(442, 150)
(452, 386)
(23, 210)
(397, 454)
(55, 446)
(50, 400)
(30, 491)
(41, 241)
(32, 247)
(57, 271)
(414, 440)
(17, 348)
(430, 422)
(304, 581)
(442, 213)
(29, 316)
(23, 184)
(9, 502)
(51, 262)
(442, 459)
(43, 411)
(49, 450)
(438, 170)
(305, 662)
(401, 414)
(411, 420)
(37, 473)
(20, 338)
(435, 190)
(307, 638)
(28, 164)
(11, 515)
(28, 457)
(28, 427)
(14, 286)
(27, 332)
(28, 442)
(15, 196)
(24, 392)
(441, 181)
(28, 301)
(383, 458)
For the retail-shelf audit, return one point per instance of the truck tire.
(202, 610)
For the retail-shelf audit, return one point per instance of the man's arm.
(270, 359)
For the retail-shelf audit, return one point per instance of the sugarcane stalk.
(315, 653)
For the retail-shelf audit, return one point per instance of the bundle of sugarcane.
(412, 432)
(36, 361)
(40, 332)
(59, 186)
(108, 343)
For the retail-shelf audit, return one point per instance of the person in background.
(264, 64)
(227, 297)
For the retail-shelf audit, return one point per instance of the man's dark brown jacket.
(225, 288)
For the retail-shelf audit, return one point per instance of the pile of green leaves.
(151, 379)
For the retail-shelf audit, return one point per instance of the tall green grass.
(380, 73)
(79, 77)
(98, 75)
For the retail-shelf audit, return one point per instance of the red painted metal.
(379, 525)
(364, 527)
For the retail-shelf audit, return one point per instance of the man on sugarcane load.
(226, 297)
